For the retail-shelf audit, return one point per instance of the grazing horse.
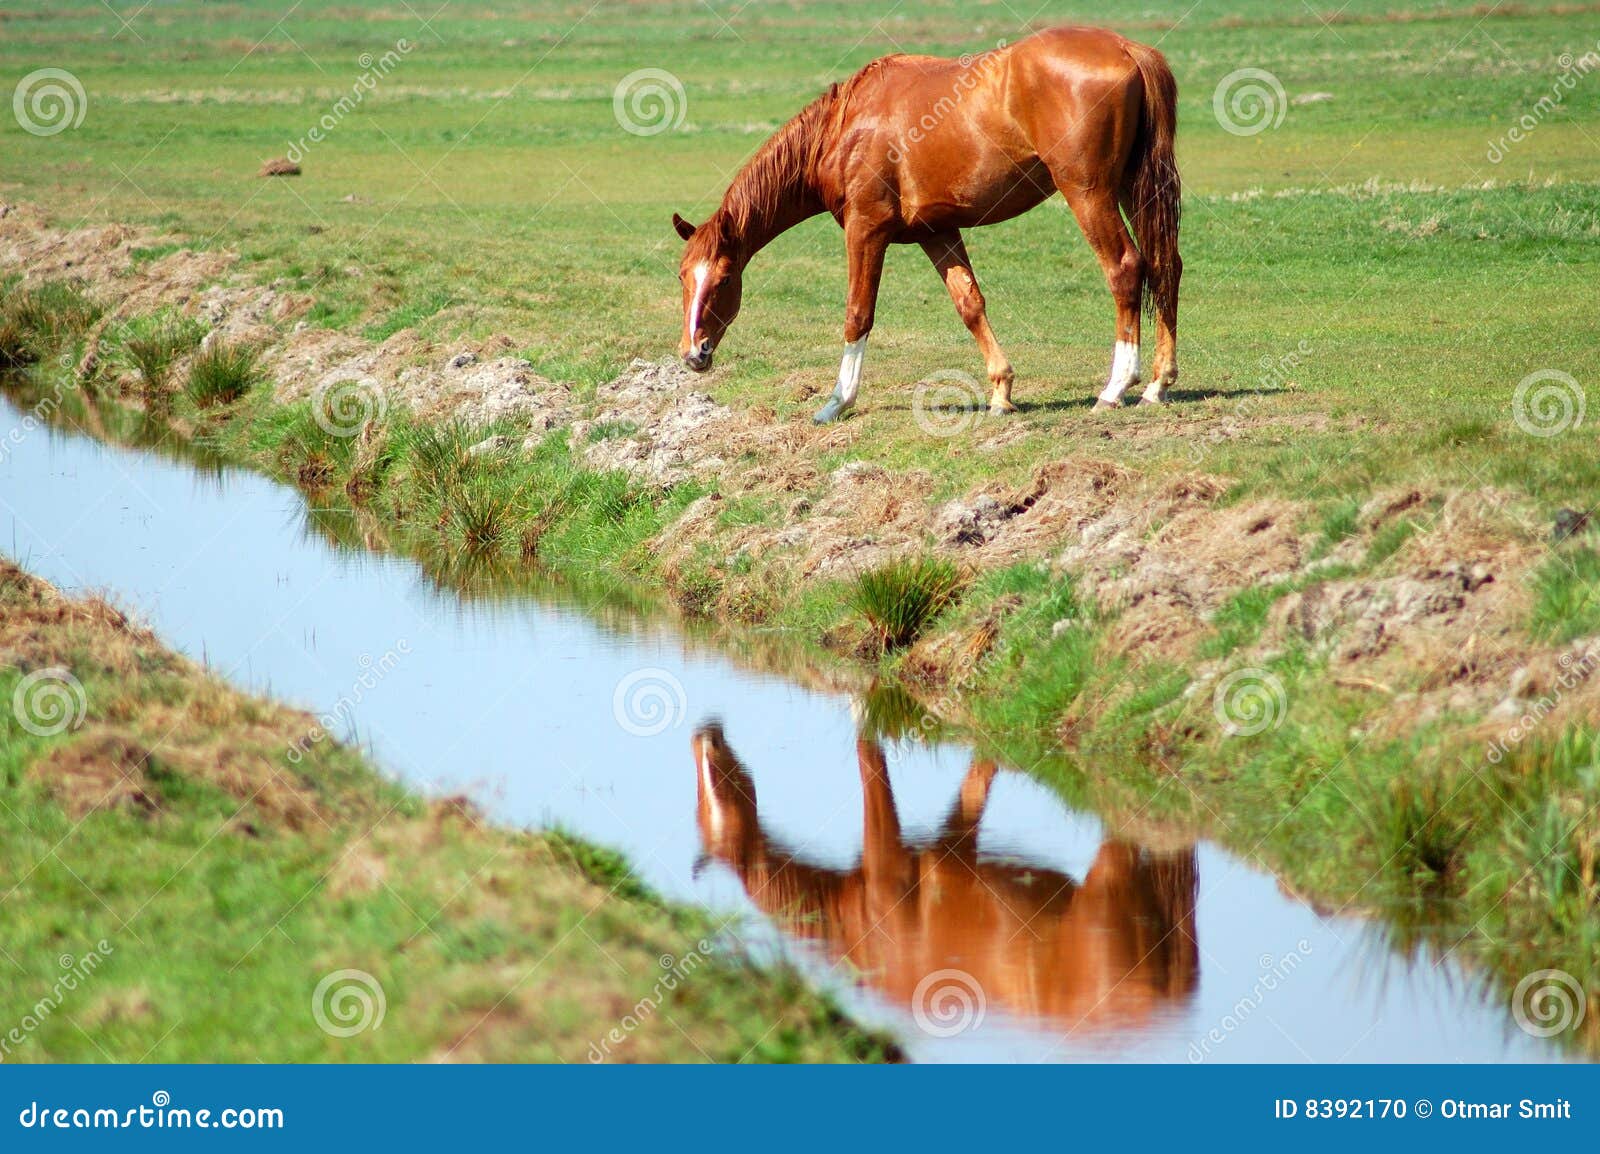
(1113, 950)
(916, 148)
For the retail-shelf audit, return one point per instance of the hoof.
(1001, 408)
(832, 411)
(1101, 404)
(1155, 401)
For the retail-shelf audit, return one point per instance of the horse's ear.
(685, 229)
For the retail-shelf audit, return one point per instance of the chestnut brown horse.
(912, 149)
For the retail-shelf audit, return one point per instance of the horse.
(1111, 951)
(913, 149)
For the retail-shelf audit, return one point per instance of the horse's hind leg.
(948, 252)
(1164, 366)
(1098, 216)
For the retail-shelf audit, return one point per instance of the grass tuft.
(900, 599)
(42, 319)
(437, 456)
(481, 512)
(1419, 831)
(151, 347)
(222, 373)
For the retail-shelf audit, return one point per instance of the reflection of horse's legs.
(1146, 901)
(865, 247)
(886, 866)
(1115, 868)
(883, 851)
(1101, 221)
(959, 834)
(948, 253)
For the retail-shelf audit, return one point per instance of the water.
(959, 904)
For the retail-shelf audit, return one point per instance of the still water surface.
(954, 901)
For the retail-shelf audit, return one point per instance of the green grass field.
(1369, 279)
(495, 191)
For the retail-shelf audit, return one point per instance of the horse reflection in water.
(1108, 952)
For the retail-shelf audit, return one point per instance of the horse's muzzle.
(700, 359)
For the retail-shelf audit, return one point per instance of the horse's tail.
(1153, 200)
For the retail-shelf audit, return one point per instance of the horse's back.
(939, 142)
(928, 139)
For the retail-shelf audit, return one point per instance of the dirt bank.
(1435, 625)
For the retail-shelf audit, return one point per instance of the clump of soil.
(651, 425)
(103, 257)
(101, 770)
(282, 166)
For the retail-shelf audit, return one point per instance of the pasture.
(1391, 236)
(1361, 261)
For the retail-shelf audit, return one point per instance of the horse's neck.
(774, 192)
(776, 216)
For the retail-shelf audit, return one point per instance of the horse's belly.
(973, 194)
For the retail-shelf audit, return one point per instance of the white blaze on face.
(1124, 371)
(708, 787)
(702, 272)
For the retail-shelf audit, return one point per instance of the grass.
(1566, 593)
(481, 511)
(1419, 828)
(571, 256)
(1365, 288)
(222, 372)
(901, 599)
(151, 348)
(173, 799)
(38, 319)
(1035, 679)
(1313, 228)
(1241, 619)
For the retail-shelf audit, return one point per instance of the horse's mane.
(782, 164)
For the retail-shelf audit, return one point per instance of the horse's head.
(712, 281)
(727, 795)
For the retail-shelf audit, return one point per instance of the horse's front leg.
(948, 252)
(866, 248)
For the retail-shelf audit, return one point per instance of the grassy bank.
(1335, 607)
(191, 878)
(1474, 833)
